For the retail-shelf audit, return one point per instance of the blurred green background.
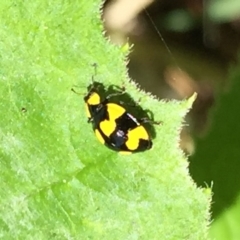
(181, 47)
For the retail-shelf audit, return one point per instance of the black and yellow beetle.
(113, 125)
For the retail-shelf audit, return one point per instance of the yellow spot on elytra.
(135, 135)
(94, 99)
(107, 127)
(114, 112)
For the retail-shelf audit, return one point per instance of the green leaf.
(216, 161)
(226, 226)
(57, 180)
